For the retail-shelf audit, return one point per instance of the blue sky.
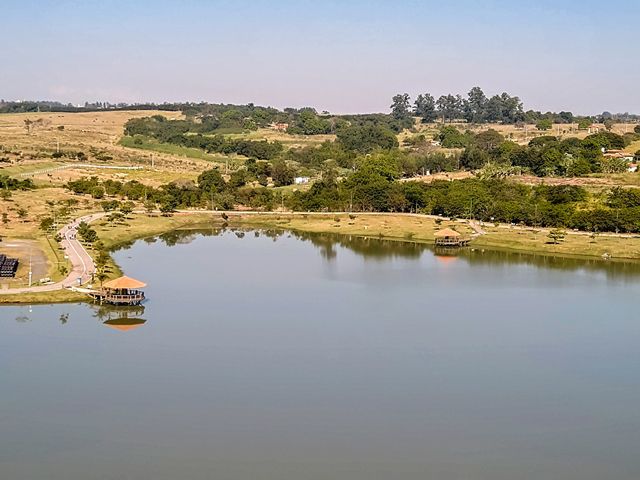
(342, 56)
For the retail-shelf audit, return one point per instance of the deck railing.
(133, 296)
(451, 242)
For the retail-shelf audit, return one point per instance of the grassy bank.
(422, 229)
(574, 244)
(169, 148)
(393, 227)
(57, 296)
(141, 226)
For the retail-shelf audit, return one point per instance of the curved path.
(82, 266)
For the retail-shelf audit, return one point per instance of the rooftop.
(124, 283)
(446, 232)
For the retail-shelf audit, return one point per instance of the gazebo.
(122, 291)
(448, 237)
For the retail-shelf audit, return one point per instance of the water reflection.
(383, 249)
(123, 319)
(120, 318)
(112, 312)
(125, 324)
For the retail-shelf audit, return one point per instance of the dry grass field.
(292, 141)
(80, 130)
(28, 151)
(525, 134)
(97, 135)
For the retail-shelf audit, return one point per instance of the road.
(82, 266)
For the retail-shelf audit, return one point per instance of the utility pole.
(30, 271)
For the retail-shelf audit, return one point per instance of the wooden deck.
(134, 297)
(452, 242)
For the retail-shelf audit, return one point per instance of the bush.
(97, 192)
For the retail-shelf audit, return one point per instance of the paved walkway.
(82, 266)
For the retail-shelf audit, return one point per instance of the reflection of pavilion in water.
(121, 318)
(446, 255)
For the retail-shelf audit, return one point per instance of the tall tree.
(449, 107)
(494, 109)
(400, 106)
(475, 105)
(512, 110)
(425, 107)
(211, 181)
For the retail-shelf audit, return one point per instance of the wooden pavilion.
(448, 237)
(121, 291)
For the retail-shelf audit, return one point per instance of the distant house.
(619, 154)
(281, 127)
(301, 180)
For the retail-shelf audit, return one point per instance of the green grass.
(57, 296)
(28, 168)
(170, 149)
(633, 147)
(619, 179)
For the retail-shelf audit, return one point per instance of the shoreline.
(404, 228)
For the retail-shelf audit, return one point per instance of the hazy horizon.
(341, 58)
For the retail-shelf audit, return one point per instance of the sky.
(341, 56)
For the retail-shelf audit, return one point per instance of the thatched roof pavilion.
(448, 237)
(121, 291)
(446, 233)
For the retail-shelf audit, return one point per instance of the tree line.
(477, 107)
(543, 156)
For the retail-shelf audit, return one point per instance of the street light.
(30, 271)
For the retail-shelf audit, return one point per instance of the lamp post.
(30, 271)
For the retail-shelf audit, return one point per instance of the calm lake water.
(280, 357)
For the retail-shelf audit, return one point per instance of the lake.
(277, 356)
